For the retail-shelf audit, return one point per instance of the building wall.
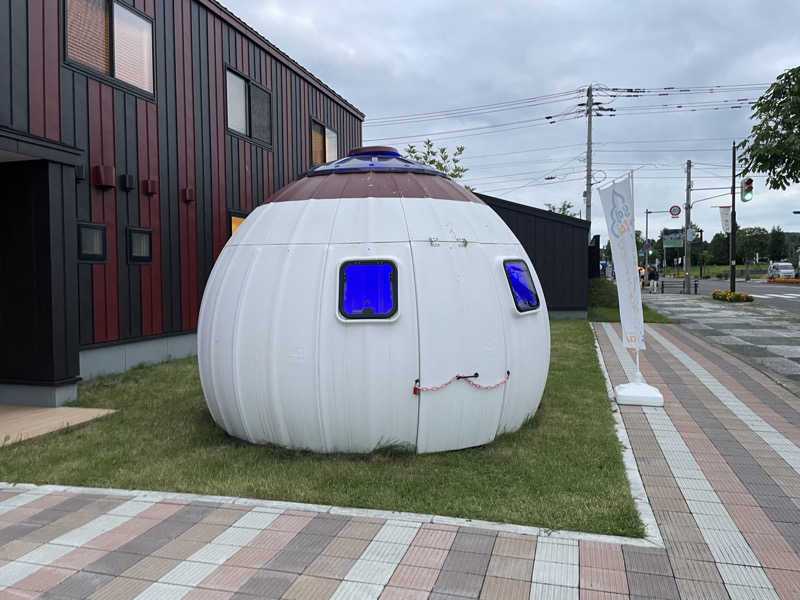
(558, 247)
(178, 139)
(39, 337)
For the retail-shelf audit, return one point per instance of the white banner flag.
(725, 218)
(618, 207)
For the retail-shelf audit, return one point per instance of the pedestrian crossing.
(785, 296)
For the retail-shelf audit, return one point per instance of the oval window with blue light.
(521, 283)
(368, 289)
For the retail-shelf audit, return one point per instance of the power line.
(544, 97)
(466, 113)
(420, 137)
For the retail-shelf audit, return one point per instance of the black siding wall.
(558, 247)
(39, 295)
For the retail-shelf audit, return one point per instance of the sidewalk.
(767, 336)
(719, 464)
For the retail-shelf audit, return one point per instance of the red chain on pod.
(468, 378)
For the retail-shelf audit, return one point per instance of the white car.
(780, 270)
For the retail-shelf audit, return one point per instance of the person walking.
(652, 277)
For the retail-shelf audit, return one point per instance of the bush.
(603, 292)
(729, 296)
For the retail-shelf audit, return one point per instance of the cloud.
(417, 56)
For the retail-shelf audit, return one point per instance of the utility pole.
(588, 192)
(732, 236)
(646, 238)
(687, 245)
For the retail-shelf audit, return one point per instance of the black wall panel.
(558, 247)
(168, 167)
(37, 266)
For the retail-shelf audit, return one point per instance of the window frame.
(137, 259)
(521, 311)
(348, 318)
(248, 136)
(110, 78)
(239, 215)
(93, 258)
(325, 130)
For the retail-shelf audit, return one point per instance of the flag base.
(638, 393)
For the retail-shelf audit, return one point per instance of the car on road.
(780, 270)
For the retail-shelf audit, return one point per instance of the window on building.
(88, 31)
(521, 283)
(236, 220)
(368, 289)
(89, 34)
(331, 145)
(91, 242)
(249, 108)
(260, 114)
(133, 48)
(140, 245)
(237, 103)
(324, 144)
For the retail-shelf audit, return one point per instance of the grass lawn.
(604, 304)
(562, 470)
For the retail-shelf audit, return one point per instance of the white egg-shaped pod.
(284, 360)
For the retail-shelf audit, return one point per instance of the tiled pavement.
(719, 463)
(761, 334)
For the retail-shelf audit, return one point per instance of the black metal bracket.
(467, 376)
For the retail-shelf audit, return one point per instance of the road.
(780, 295)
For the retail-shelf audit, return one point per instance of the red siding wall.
(44, 81)
(150, 217)
(190, 304)
(104, 210)
(216, 82)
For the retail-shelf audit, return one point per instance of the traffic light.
(747, 189)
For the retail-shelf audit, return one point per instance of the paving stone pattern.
(765, 335)
(719, 464)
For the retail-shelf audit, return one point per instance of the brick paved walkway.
(719, 463)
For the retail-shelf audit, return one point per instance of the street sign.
(675, 211)
(691, 234)
(641, 252)
(647, 246)
(673, 238)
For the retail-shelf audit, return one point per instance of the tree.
(777, 244)
(720, 249)
(438, 159)
(565, 208)
(773, 146)
(751, 241)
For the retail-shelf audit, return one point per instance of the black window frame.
(109, 78)
(511, 286)
(394, 278)
(249, 83)
(139, 260)
(325, 129)
(234, 213)
(93, 258)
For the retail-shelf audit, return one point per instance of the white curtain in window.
(133, 48)
(331, 145)
(237, 103)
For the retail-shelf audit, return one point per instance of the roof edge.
(225, 13)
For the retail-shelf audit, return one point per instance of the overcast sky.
(413, 57)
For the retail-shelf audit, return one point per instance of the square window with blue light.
(368, 289)
(521, 283)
